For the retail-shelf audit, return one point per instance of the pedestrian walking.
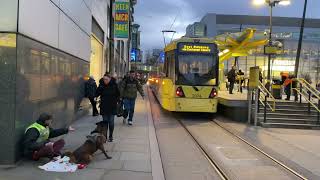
(232, 78)
(90, 92)
(109, 94)
(36, 140)
(240, 79)
(129, 87)
(294, 87)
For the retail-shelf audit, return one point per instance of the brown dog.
(94, 142)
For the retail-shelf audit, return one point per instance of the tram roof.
(173, 44)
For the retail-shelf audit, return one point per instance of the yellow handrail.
(313, 92)
(267, 93)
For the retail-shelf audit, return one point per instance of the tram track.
(213, 163)
(219, 168)
(286, 167)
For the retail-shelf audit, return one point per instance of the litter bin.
(276, 89)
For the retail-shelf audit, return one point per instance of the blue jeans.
(129, 105)
(109, 121)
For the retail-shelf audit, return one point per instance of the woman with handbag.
(109, 95)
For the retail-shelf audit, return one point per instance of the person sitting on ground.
(36, 140)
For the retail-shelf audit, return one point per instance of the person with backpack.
(90, 92)
(232, 78)
(129, 87)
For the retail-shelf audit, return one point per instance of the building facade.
(47, 49)
(285, 29)
(196, 29)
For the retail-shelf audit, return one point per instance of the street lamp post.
(271, 4)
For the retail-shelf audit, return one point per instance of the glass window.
(196, 69)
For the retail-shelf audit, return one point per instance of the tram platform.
(135, 153)
(233, 106)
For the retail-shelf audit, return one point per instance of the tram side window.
(166, 68)
(171, 67)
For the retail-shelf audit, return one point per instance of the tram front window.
(196, 70)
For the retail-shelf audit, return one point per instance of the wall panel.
(39, 19)
(72, 39)
(8, 15)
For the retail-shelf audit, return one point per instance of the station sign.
(121, 22)
(196, 48)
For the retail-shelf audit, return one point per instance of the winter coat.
(30, 143)
(232, 75)
(129, 88)
(109, 95)
(90, 88)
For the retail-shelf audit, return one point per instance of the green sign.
(121, 24)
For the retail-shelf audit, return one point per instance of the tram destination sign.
(196, 48)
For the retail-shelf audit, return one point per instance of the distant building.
(196, 29)
(285, 29)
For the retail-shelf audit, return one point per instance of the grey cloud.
(156, 15)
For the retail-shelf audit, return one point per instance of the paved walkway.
(135, 153)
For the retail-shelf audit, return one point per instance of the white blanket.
(60, 165)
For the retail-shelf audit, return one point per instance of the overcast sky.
(157, 15)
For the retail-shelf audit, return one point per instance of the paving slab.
(130, 175)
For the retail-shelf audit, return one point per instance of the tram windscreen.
(197, 70)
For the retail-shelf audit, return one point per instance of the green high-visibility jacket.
(43, 131)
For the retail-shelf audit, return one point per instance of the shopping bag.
(120, 109)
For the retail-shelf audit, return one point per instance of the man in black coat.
(90, 92)
(232, 78)
(109, 95)
(36, 141)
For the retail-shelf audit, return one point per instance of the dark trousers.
(288, 92)
(109, 121)
(231, 86)
(129, 105)
(49, 152)
(94, 106)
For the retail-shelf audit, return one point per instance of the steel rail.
(261, 151)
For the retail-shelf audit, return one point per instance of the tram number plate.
(196, 95)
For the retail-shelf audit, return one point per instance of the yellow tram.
(189, 80)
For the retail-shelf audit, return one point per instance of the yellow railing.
(304, 91)
(265, 93)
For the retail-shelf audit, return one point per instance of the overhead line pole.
(296, 69)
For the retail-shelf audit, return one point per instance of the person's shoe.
(110, 139)
(95, 114)
(124, 120)
(130, 123)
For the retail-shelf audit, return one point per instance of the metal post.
(249, 105)
(309, 93)
(296, 68)
(265, 110)
(268, 85)
(256, 108)
(300, 93)
(318, 111)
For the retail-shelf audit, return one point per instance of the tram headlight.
(213, 93)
